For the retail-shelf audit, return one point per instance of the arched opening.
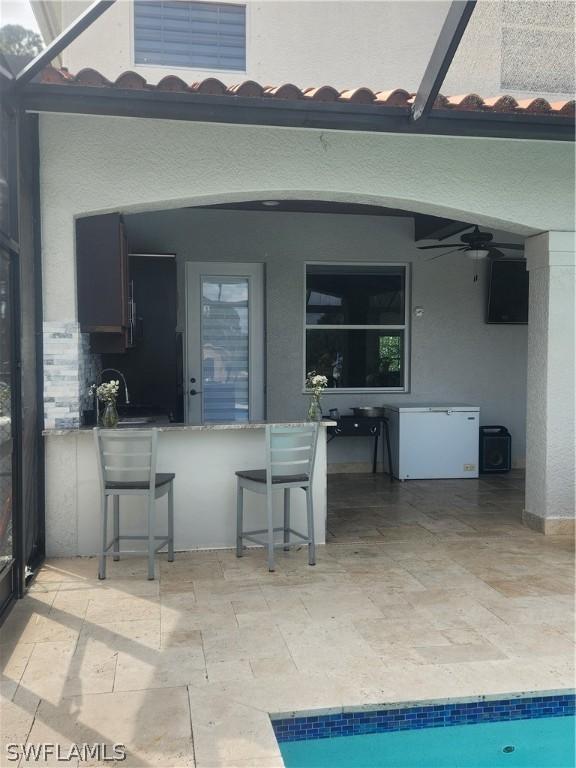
(297, 198)
(333, 283)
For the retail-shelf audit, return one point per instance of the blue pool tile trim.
(417, 717)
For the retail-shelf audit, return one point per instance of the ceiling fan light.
(477, 254)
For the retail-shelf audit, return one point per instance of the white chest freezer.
(431, 440)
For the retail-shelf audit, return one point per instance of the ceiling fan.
(477, 245)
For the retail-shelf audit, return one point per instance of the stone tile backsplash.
(90, 367)
(69, 369)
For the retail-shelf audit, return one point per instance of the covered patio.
(424, 590)
(503, 164)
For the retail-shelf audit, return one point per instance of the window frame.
(178, 68)
(406, 327)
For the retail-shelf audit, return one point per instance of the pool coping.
(388, 717)
(419, 703)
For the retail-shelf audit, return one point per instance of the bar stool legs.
(286, 519)
(239, 517)
(310, 515)
(150, 536)
(286, 530)
(104, 537)
(171, 524)
(270, 514)
(116, 513)
(151, 539)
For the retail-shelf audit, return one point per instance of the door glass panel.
(225, 349)
(5, 415)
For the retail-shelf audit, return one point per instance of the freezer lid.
(433, 407)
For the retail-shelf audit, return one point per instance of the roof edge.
(301, 113)
(327, 94)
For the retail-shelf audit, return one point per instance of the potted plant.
(315, 384)
(107, 394)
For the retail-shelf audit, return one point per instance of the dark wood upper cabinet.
(102, 275)
(102, 280)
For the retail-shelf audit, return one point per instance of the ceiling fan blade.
(438, 256)
(508, 246)
(444, 245)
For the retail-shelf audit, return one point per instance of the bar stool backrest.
(126, 456)
(290, 450)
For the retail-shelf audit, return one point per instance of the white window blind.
(225, 348)
(190, 34)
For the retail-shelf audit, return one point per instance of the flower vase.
(110, 416)
(314, 409)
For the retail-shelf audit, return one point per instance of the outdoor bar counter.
(204, 460)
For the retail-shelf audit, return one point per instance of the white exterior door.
(225, 342)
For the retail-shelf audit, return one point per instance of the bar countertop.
(163, 426)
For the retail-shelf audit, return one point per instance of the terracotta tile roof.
(398, 97)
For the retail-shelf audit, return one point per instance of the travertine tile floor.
(425, 590)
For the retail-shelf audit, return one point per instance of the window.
(190, 34)
(356, 331)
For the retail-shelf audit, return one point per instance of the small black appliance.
(495, 449)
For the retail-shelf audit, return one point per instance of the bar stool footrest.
(164, 540)
(252, 536)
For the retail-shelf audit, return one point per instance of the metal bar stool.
(290, 454)
(127, 467)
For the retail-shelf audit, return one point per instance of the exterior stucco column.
(551, 432)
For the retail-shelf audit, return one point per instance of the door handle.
(194, 392)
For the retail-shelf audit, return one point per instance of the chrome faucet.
(126, 395)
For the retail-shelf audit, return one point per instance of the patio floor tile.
(168, 668)
(123, 609)
(134, 637)
(46, 673)
(13, 661)
(154, 725)
(226, 731)
(425, 590)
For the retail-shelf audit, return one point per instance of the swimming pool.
(523, 732)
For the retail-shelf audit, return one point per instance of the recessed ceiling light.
(270, 203)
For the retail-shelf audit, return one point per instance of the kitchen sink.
(135, 421)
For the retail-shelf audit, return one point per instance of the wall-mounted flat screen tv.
(508, 292)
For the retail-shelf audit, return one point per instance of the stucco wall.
(91, 165)
(319, 43)
(314, 42)
(455, 355)
(99, 164)
(551, 465)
